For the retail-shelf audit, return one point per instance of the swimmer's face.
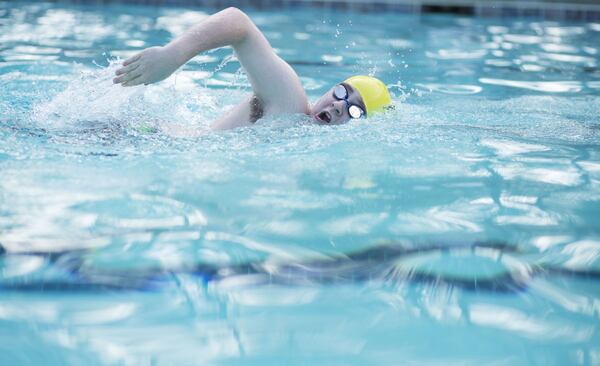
(330, 109)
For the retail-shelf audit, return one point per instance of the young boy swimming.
(276, 86)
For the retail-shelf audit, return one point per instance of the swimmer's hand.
(148, 66)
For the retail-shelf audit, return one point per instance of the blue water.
(486, 175)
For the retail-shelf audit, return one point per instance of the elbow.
(240, 23)
(235, 12)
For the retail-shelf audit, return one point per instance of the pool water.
(461, 228)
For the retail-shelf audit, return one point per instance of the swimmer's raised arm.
(276, 86)
(227, 27)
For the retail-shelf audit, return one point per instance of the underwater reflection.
(480, 266)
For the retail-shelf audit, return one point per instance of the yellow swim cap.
(374, 93)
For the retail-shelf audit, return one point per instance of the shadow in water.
(380, 264)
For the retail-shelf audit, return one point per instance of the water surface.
(494, 139)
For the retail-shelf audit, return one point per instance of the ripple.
(301, 36)
(358, 182)
(591, 167)
(276, 252)
(397, 43)
(546, 242)
(105, 315)
(144, 212)
(272, 296)
(332, 58)
(271, 35)
(356, 224)
(525, 325)
(194, 75)
(499, 62)
(558, 48)
(285, 228)
(569, 58)
(529, 58)
(567, 298)
(80, 53)
(299, 200)
(564, 177)
(177, 22)
(497, 29)
(491, 45)
(32, 312)
(584, 254)
(507, 147)
(564, 31)
(593, 84)
(452, 88)
(456, 54)
(20, 77)
(532, 68)
(36, 50)
(30, 57)
(542, 86)
(135, 43)
(466, 264)
(439, 220)
(529, 213)
(522, 38)
(21, 265)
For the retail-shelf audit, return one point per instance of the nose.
(338, 107)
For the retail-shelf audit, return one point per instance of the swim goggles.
(341, 93)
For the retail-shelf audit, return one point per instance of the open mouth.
(324, 117)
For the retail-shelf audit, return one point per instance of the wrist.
(174, 54)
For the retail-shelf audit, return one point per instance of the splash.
(91, 102)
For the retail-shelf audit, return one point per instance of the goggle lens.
(341, 93)
(355, 112)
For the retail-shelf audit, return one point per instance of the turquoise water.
(483, 186)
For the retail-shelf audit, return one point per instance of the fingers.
(132, 59)
(128, 68)
(128, 76)
(133, 82)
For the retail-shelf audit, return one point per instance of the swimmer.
(276, 86)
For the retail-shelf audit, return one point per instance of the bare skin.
(276, 86)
